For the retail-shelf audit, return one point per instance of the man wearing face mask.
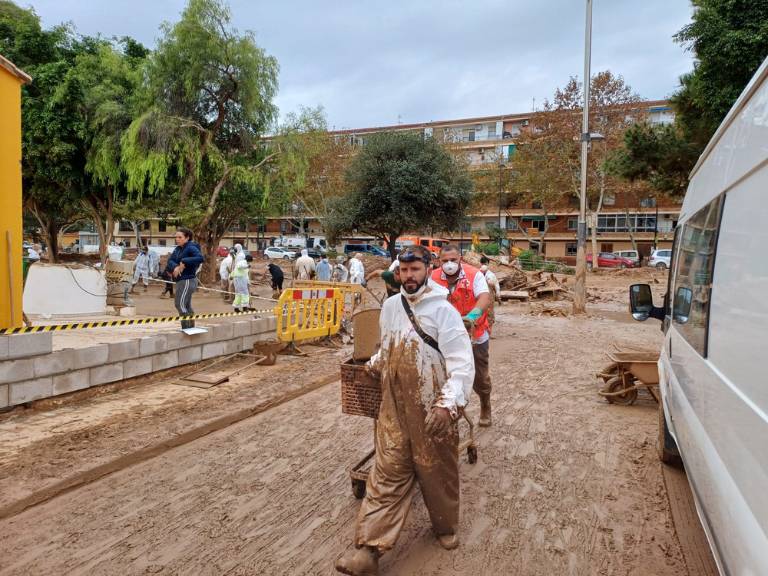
(426, 367)
(469, 294)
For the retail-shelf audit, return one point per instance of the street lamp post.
(501, 188)
(580, 288)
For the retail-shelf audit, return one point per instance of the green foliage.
(729, 39)
(659, 155)
(490, 248)
(398, 182)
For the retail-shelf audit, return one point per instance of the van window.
(693, 275)
(424, 242)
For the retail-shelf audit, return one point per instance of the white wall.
(61, 289)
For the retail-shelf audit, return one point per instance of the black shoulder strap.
(424, 336)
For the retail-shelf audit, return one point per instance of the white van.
(713, 370)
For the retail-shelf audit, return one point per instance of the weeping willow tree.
(208, 103)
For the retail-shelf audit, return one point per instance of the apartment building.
(484, 141)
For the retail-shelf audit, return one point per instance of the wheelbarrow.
(628, 372)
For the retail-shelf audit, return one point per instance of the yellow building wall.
(10, 201)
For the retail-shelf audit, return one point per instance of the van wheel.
(666, 447)
(661, 266)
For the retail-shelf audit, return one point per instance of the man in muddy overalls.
(427, 370)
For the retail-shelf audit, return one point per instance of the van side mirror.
(641, 301)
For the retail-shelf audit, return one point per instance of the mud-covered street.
(566, 484)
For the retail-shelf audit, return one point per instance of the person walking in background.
(340, 272)
(225, 269)
(494, 288)
(305, 266)
(141, 269)
(277, 276)
(469, 294)
(323, 270)
(167, 277)
(356, 269)
(33, 253)
(154, 263)
(241, 279)
(188, 259)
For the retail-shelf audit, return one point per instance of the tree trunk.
(391, 245)
(51, 235)
(631, 229)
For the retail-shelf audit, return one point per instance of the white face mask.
(450, 268)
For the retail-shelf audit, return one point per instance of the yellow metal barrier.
(303, 314)
(346, 287)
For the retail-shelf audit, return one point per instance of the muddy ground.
(566, 484)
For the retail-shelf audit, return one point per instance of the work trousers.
(405, 454)
(482, 383)
(183, 300)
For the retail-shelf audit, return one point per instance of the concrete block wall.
(30, 370)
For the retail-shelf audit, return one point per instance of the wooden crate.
(360, 392)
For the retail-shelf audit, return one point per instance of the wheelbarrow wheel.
(617, 384)
(472, 454)
(358, 488)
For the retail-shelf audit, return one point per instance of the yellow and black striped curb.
(126, 322)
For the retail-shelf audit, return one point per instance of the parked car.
(315, 253)
(660, 258)
(633, 255)
(278, 253)
(222, 251)
(610, 260)
(366, 249)
(712, 379)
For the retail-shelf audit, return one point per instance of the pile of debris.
(517, 284)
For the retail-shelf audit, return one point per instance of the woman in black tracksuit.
(188, 258)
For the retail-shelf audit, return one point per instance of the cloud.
(372, 63)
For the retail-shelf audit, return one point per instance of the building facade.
(484, 142)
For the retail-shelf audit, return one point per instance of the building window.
(648, 203)
(491, 130)
(146, 225)
(536, 205)
(162, 242)
(512, 224)
(125, 226)
(609, 199)
(570, 248)
(573, 223)
(471, 136)
(693, 275)
(127, 243)
(162, 226)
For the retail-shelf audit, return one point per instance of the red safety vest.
(462, 295)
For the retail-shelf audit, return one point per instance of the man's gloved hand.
(438, 421)
(474, 314)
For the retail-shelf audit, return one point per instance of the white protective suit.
(414, 378)
(154, 264)
(491, 279)
(356, 271)
(141, 269)
(239, 254)
(226, 266)
(305, 266)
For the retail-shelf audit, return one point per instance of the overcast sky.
(379, 63)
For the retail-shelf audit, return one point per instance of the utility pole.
(580, 289)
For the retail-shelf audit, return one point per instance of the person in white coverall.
(356, 269)
(239, 254)
(154, 263)
(305, 266)
(225, 270)
(141, 269)
(340, 272)
(427, 369)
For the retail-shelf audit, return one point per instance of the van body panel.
(715, 382)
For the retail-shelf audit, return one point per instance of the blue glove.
(474, 314)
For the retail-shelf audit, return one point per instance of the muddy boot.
(363, 561)
(485, 410)
(448, 541)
